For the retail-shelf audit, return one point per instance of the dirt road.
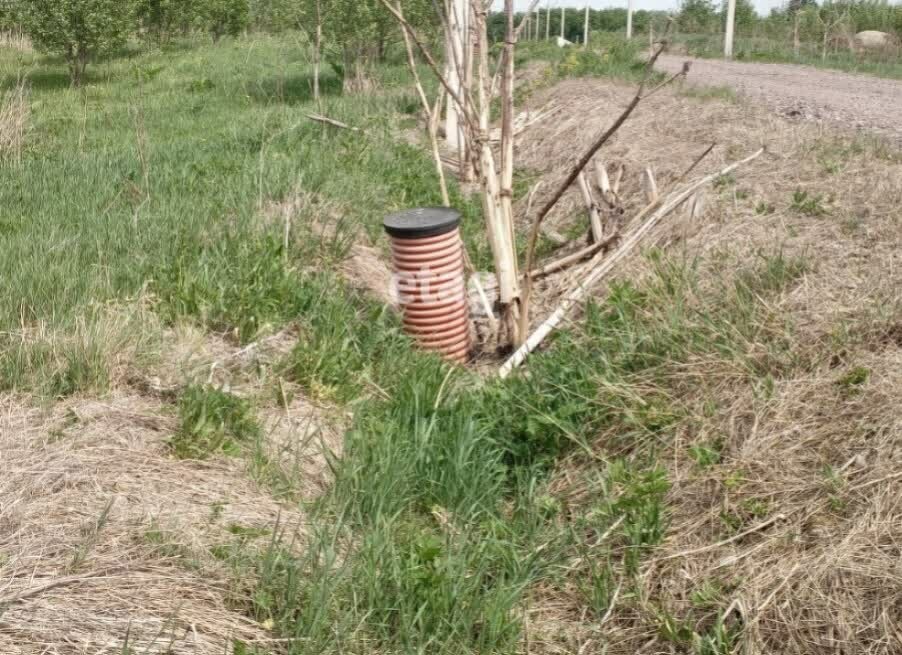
(844, 99)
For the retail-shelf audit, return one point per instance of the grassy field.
(154, 184)
(187, 186)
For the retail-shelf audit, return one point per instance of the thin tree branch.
(603, 267)
(430, 124)
(698, 160)
(430, 60)
(580, 166)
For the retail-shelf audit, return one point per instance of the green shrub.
(79, 30)
(223, 17)
(617, 58)
(160, 18)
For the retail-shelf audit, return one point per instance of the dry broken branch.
(604, 267)
(580, 166)
(334, 123)
(573, 258)
(594, 216)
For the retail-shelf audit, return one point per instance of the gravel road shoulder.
(842, 99)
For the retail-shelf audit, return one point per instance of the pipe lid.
(421, 223)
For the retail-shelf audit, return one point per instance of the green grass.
(703, 93)
(440, 519)
(153, 179)
(213, 421)
(610, 55)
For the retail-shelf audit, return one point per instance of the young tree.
(160, 18)
(746, 16)
(275, 15)
(796, 8)
(78, 30)
(697, 16)
(831, 17)
(354, 34)
(222, 18)
(10, 16)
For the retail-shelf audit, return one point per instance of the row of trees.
(600, 20)
(831, 24)
(82, 30)
(709, 17)
(348, 33)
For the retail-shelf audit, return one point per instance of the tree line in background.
(600, 20)
(831, 23)
(802, 21)
(352, 34)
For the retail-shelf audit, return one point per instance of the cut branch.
(594, 216)
(651, 186)
(573, 258)
(580, 166)
(334, 123)
(607, 265)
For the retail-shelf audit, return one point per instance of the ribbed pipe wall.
(431, 286)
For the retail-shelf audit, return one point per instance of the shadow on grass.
(44, 80)
(293, 89)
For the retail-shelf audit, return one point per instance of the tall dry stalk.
(317, 51)
(456, 32)
(15, 112)
(510, 299)
(431, 122)
(500, 233)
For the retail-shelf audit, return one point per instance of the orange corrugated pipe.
(427, 253)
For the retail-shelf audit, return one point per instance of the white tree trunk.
(500, 230)
(586, 28)
(563, 21)
(731, 24)
(458, 20)
(629, 19)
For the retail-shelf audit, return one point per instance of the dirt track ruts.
(847, 100)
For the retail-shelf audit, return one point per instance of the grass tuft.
(213, 421)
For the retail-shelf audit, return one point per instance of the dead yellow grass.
(106, 536)
(16, 41)
(15, 113)
(815, 462)
(107, 539)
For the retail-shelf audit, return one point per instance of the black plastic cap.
(422, 223)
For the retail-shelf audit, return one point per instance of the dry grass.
(15, 112)
(16, 41)
(106, 539)
(815, 458)
(361, 265)
(93, 501)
